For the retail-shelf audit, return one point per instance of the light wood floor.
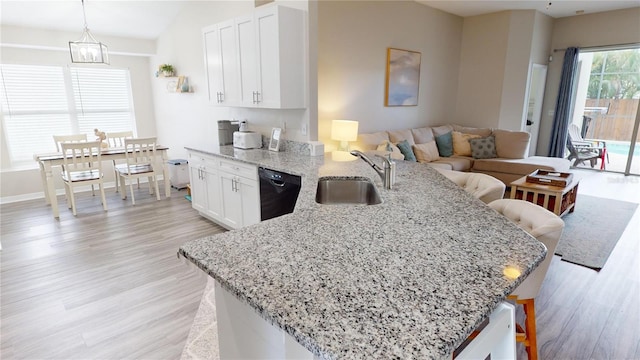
(102, 285)
(584, 314)
(109, 286)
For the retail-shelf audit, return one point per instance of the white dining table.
(48, 161)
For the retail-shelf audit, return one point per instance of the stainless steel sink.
(339, 190)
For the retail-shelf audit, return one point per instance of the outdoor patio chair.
(588, 145)
(582, 154)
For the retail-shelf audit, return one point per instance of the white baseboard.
(40, 194)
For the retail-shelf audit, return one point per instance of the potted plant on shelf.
(166, 70)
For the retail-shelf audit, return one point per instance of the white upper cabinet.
(247, 60)
(270, 61)
(221, 60)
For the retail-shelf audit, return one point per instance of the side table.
(559, 200)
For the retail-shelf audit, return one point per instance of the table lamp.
(344, 131)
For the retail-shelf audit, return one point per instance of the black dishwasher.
(278, 193)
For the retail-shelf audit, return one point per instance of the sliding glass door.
(606, 107)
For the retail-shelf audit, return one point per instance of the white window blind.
(34, 107)
(102, 99)
(41, 101)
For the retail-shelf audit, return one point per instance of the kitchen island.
(411, 277)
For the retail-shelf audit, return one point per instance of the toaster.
(247, 140)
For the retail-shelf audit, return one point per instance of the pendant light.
(87, 49)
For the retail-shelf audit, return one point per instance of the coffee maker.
(226, 128)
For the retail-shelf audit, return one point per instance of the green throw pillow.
(445, 144)
(483, 148)
(406, 150)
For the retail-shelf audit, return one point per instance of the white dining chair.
(75, 138)
(116, 140)
(547, 228)
(142, 161)
(82, 166)
(59, 139)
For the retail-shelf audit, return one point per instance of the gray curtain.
(564, 103)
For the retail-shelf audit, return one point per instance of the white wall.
(498, 50)
(482, 63)
(353, 37)
(516, 72)
(17, 182)
(188, 119)
(592, 30)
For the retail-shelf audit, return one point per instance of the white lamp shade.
(344, 130)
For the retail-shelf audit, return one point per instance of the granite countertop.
(411, 277)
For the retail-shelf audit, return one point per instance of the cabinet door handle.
(257, 97)
(234, 185)
(222, 97)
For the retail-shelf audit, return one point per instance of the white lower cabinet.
(225, 191)
(205, 188)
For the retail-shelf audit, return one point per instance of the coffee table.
(559, 200)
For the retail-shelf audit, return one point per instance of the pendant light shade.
(87, 49)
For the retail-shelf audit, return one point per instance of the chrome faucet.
(385, 171)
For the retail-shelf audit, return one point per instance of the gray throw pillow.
(406, 150)
(483, 148)
(445, 144)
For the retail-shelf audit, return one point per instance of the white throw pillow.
(388, 146)
(426, 152)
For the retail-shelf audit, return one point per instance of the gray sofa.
(508, 163)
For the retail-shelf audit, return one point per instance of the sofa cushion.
(461, 144)
(521, 166)
(426, 152)
(483, 148)
(422, 135)
(471, 130)
(397, 136)
(439, 165)
(388, 147)
(445, 144)
(512, 144)
(456, 163)
(406, 150)
(371, 141)
(441, 130)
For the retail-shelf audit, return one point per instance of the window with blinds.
(41, 101)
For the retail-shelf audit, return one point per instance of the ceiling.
(147, 19)
(135, 19)
(557, 9)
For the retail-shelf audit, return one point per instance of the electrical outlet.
(303, 130)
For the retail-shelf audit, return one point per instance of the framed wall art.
(403, 77)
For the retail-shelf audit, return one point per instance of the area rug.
(202, 343)
(593, 229)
